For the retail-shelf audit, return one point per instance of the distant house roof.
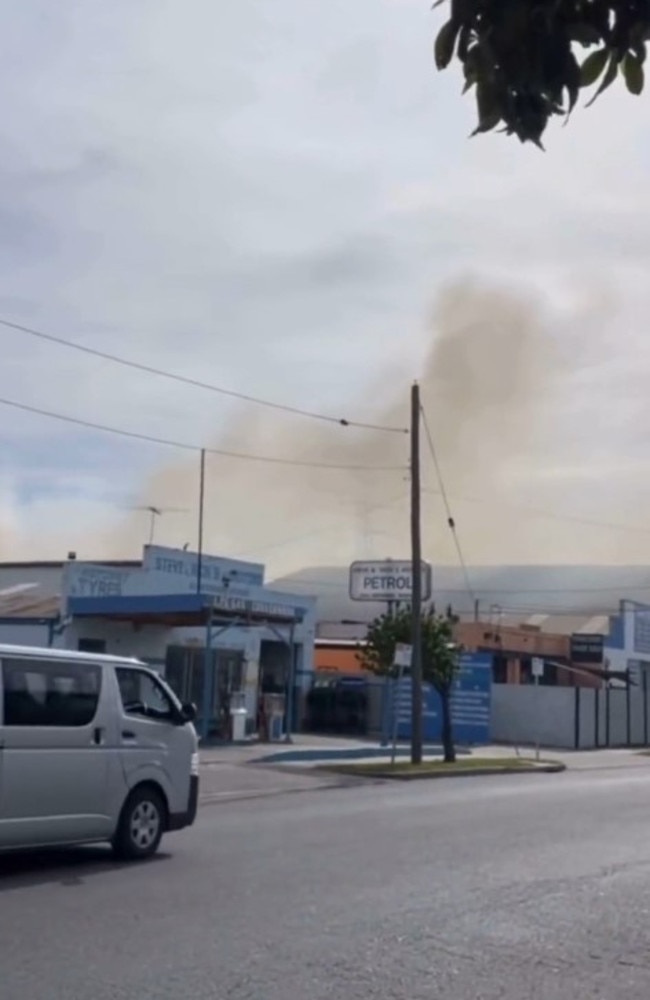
(555, 599)
(59, 564)
(27, 601)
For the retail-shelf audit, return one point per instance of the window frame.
(156, 681)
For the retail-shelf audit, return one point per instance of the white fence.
(575, 718)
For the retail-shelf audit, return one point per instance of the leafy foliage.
(439, 654)
(521, 56)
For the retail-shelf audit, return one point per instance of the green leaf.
(489, 107)
(607, 80)
(593, 66)
(634, 74)
(445, 43)
(572, 81)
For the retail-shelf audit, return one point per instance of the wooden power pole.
(416, 571)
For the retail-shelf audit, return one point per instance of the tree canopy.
(439, 655)
(527, 60)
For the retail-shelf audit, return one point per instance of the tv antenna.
(155, 513)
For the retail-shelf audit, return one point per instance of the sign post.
(401, 660)
(537, 667)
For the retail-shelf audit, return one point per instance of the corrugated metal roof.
(31, 603)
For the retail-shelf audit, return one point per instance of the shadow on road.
(65, 866)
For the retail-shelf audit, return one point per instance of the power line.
(198, 383)
(551, 515)
(186, 446)
(443, 492)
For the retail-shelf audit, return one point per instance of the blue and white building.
(627, 647)
(211, 625)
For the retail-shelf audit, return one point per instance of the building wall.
(337, 660)
(628, 645)
(25, 633)
(148, 642)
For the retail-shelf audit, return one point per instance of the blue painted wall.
(470, 704)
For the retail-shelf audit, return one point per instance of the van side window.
(50, 694)
(142, 695)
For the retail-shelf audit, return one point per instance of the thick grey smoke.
(499, 386)
(487, 385)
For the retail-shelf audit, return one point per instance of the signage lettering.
(386, 581)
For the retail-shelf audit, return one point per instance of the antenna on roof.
(155, 512)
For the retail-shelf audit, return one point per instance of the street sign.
(403, 654)
(386, 580)
(537, 666)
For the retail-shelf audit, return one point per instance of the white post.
(537, 715)
(537, 666)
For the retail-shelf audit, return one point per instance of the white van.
(92, 748)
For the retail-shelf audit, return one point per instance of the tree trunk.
(447, 730)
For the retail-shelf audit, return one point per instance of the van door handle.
(98, 736)
(127, 734)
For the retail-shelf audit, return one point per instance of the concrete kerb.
(543, 767)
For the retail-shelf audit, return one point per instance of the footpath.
(258, 770)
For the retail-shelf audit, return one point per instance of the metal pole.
(290, 684)
(207, 679)
(199, 565)
(416, 575)
(537, 715)
(396, 688)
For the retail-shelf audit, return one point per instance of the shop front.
(222, 647)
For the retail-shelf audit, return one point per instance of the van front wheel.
(141, 825)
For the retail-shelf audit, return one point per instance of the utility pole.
(416, 575)
(199, 566)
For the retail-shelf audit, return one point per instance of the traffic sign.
(386, 580)
(403, 654)
(537, 666)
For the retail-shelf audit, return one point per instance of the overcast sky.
(274, 197)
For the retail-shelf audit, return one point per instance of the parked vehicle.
(92, 748)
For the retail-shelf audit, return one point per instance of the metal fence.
(571, 718)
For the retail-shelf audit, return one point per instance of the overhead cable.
(186, 446)
(198, 383)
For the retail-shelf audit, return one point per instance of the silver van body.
(92, 748)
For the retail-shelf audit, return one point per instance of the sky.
(282, 199)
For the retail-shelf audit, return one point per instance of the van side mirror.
(188, 712)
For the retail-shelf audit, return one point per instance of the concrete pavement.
(308, 752)
(472, 889)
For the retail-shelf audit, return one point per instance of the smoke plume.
(498, 387)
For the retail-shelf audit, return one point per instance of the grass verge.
(403, 770)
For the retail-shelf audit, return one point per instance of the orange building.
(513, 646)
(337, 656)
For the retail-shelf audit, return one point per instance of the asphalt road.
(468, 889)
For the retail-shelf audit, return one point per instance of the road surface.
(468, 889)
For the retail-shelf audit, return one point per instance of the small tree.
(439, 657)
